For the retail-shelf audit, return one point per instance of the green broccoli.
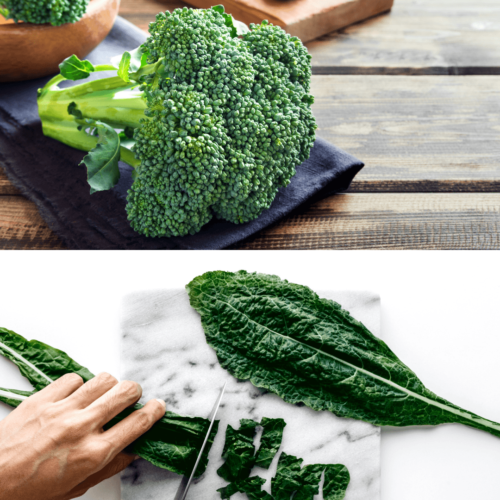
(214, 118)
(55, 12)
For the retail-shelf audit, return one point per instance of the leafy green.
(130, 62)
(270, 441)
(73, 68)
(287, 479)
(285, 339)
(238, 451)
(290, 478)
(252, 486)
(173, 443)
(336, 481)
(40, 363)
(102, 161)
(14, 397)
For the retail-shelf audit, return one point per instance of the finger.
(120, 462)
(135, 425)
(92, 390)
(58, 390)
(121, 396)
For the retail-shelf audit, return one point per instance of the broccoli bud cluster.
(228, 120)
(55, 12)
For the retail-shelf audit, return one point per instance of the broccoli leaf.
(285, 339)
(130, 62)
(72, 68)
(237, 27)
(218, 8)
(172, 443)
(4, 12)
(102, 161)
(238, 451)
(270, 441)
(252, 486)
(241, 28)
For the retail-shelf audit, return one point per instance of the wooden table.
(415, 94)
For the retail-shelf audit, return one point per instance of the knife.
(187, 480)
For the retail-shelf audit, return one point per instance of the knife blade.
(187, 480)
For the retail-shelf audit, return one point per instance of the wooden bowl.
(34, 50)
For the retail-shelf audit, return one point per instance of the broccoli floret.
(55, 12)
(226, 120)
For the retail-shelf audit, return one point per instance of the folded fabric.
(47, 172)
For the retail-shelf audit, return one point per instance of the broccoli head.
(55, 12)
(226, 119)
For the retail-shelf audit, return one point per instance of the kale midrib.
(387, 382)
(12, 395)
(26, 362)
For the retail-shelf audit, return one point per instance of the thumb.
(120, 462)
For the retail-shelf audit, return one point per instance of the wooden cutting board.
(307, 19)
(164, 348)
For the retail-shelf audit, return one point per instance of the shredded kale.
(291, 478)
(238, 451)
(270, 441)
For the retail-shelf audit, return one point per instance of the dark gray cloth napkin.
(47, 172)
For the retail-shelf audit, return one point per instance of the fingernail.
(136, 457)
(162, 402)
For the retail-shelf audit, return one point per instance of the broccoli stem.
(110, 100)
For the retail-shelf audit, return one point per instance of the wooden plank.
(5, 186)
(417, 37)
(141, 13)
(307, 19)
(389, 221)
(414, 130)
(21, 226)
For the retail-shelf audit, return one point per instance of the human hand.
(53, 446)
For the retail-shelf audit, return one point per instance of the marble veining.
(164, 349)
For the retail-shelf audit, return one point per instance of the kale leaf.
(287, 340)
(172, 443)
(270, 441)
(238, 451)
(252, 486)
(291, 478)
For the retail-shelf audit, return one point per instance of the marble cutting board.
(164, 349)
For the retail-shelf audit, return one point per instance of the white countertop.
(440, 315)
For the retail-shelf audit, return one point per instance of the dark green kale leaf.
(287, 340)
(73, 68)
(336, 481)
(238, 451)
(290, 479)
(173, 443)
(14, 397)
(252, 486)
(287, 479)
(270, 441)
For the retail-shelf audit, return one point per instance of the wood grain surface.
(431, 142)
(416, 37)
(389, 221)
(22, 227)
(413, 128)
